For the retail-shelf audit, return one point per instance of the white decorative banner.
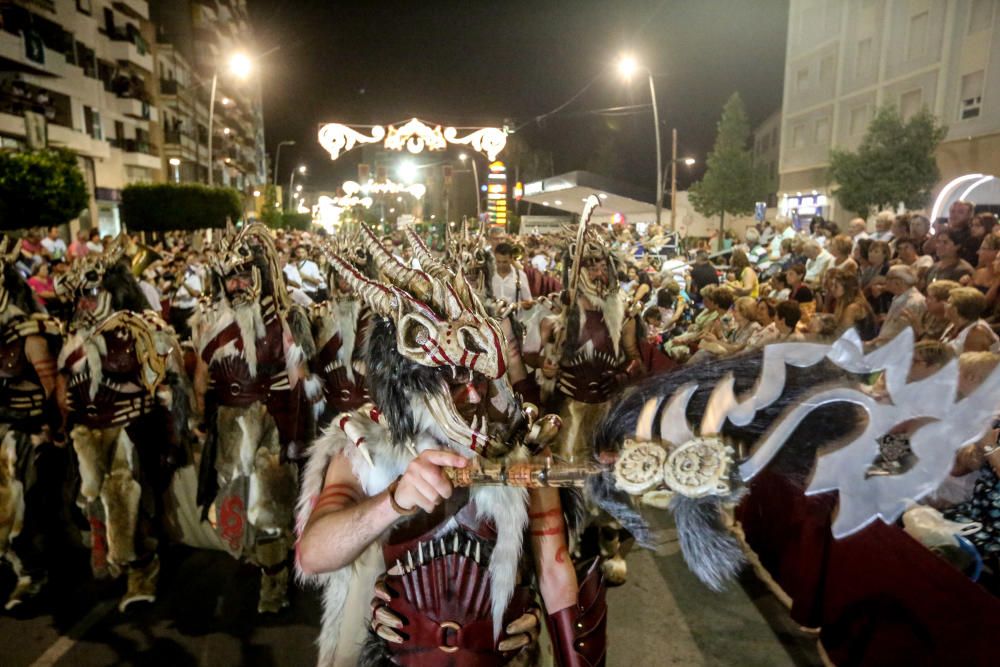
(414, 135)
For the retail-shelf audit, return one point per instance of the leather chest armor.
(441, 586)
(583, 377)
(120, 397)
(21, 392)
(342, 394)
(230, 381)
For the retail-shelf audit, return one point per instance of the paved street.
(206, 615)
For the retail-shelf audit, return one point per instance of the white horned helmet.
(94, 290)
(245, 266)
(440, 326)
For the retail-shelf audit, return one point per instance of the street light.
(475, 174)
(239, 66)
(407, 171)
(628, 65)
(176, 164)
(301, 169)
(277, 156)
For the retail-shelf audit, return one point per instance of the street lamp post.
(239, 65)
(475, 175)
(688, 161)
(176, 164)
(627, 66)
(277, 156)
(300, 169)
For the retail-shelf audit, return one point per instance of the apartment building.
(126, 84)
(194, 41)
(846, 58)
(78, 74)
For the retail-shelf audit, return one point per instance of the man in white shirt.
(148, 287)
(310, 277)
(189, 289)
(820, 260)
(856, 229)
(908, 304)
(540, 261)
(510, 284)
(54, 246)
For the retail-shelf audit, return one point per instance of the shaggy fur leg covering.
(91, 452)
(120, 496)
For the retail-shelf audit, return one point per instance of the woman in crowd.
(982, 225)
(799, 292)
(745, 283)
(745, 325)
(42, 284)
(840, 247)
(931, 324)
(966, 331)
(851, 309)
(984, 276)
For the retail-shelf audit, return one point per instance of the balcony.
(140, 154)
(134, 8)
(124, 51)
(168, 86)
(134, 108)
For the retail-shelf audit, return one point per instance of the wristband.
(392, 499)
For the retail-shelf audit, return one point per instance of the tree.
(40, 188)
(732, 182)
(270, 212)
(152, 207)
(894, 163)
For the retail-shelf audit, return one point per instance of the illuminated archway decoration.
(416, 190)
(947, 191)
(414, 135)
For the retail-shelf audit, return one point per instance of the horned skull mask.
(84, 284)
(439, 323)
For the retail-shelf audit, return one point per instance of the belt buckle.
(91, 410)
(235, 388)
(449, 625)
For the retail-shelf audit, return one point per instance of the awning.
(567, 192)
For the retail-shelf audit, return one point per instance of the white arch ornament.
(947, 191)
(414, 136)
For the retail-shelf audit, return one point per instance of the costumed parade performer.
(30, 463)
(481, 262)
(258, 399)
(339, 327)
(453, 580)
(589, 354)
(126, 402)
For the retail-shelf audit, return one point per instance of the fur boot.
(120, 497)
(273, 591)
(141, 584)
(271, 499)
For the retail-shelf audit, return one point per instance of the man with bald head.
(857, 230)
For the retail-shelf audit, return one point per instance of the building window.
(863, 61)
(822, 131)
(916, 38)
(910, 103)
(826, 68)
(84, 7)
(981, 15)
(971, 98)
(858, 121)
(802, 79)
(92, 123)
(798, 135)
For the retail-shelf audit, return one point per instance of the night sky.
(481, 63)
